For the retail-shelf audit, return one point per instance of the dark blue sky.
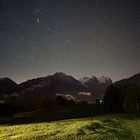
(78, 37)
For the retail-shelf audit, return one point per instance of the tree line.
(123, 98)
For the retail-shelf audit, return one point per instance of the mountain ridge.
(86, 88)
(135, 79)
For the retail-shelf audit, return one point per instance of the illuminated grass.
(108, 127)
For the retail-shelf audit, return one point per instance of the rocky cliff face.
(96, 86)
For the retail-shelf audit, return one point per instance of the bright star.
(38, 20)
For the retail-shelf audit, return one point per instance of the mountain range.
(60, 84)
(88, 89)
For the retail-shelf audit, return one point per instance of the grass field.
(101, 127)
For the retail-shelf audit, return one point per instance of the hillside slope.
(135, 79)
(108, 127)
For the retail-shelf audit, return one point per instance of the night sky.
(78, 37)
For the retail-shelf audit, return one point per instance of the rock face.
(132, 80)
(88, 89)
(96, 86)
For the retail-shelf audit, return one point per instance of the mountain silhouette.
(50, 86)
(7, 86)
(88, 89)
(135, 79)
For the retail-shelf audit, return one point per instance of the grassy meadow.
(36, 125)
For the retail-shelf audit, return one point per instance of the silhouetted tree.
(83, 102)
(112, 98)
(132, 99)
(41, 102)
(123, 98)
(60, 100)
(97, 102)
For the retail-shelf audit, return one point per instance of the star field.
(78, 37)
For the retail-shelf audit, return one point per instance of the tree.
(123, 98)
(41, 102)
(112, 98)
(83, 102)
(97, 102)
(60, 100)
(132, 99)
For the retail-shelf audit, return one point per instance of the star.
(37, 20)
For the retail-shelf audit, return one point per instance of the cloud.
(67, 96)
(84, 93)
